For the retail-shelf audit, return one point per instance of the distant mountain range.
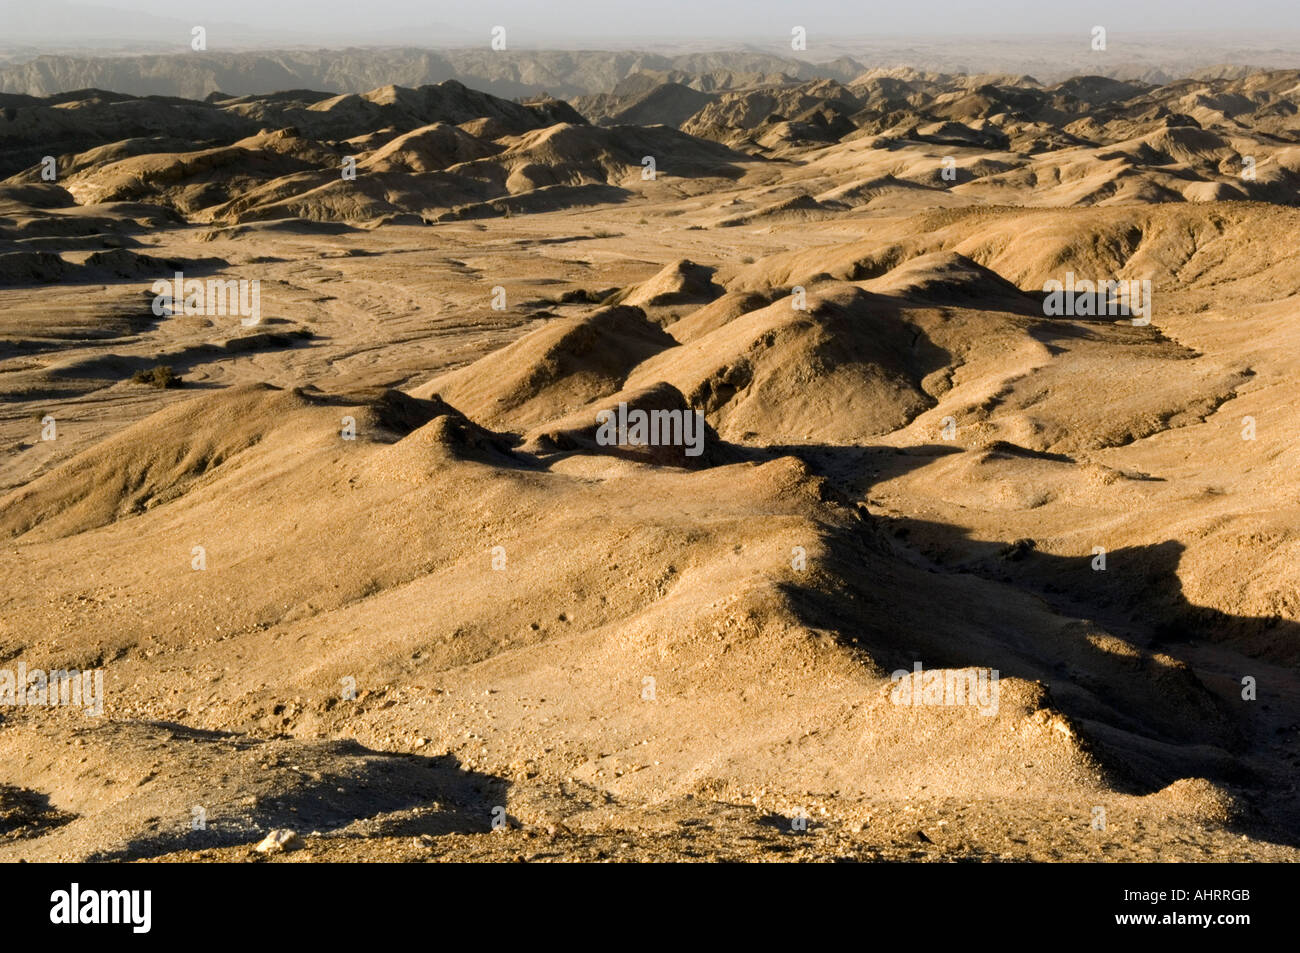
(567, 74)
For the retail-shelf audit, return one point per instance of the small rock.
(278, 841)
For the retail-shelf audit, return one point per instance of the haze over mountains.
(365, 568)
(175, 70)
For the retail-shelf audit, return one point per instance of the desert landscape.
(301, 451)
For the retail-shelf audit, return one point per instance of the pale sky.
(567, 23)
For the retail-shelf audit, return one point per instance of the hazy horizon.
(579, 24)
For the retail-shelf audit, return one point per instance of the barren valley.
(363, 568)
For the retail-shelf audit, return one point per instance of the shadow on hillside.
(1114, 646)
(364, 793)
